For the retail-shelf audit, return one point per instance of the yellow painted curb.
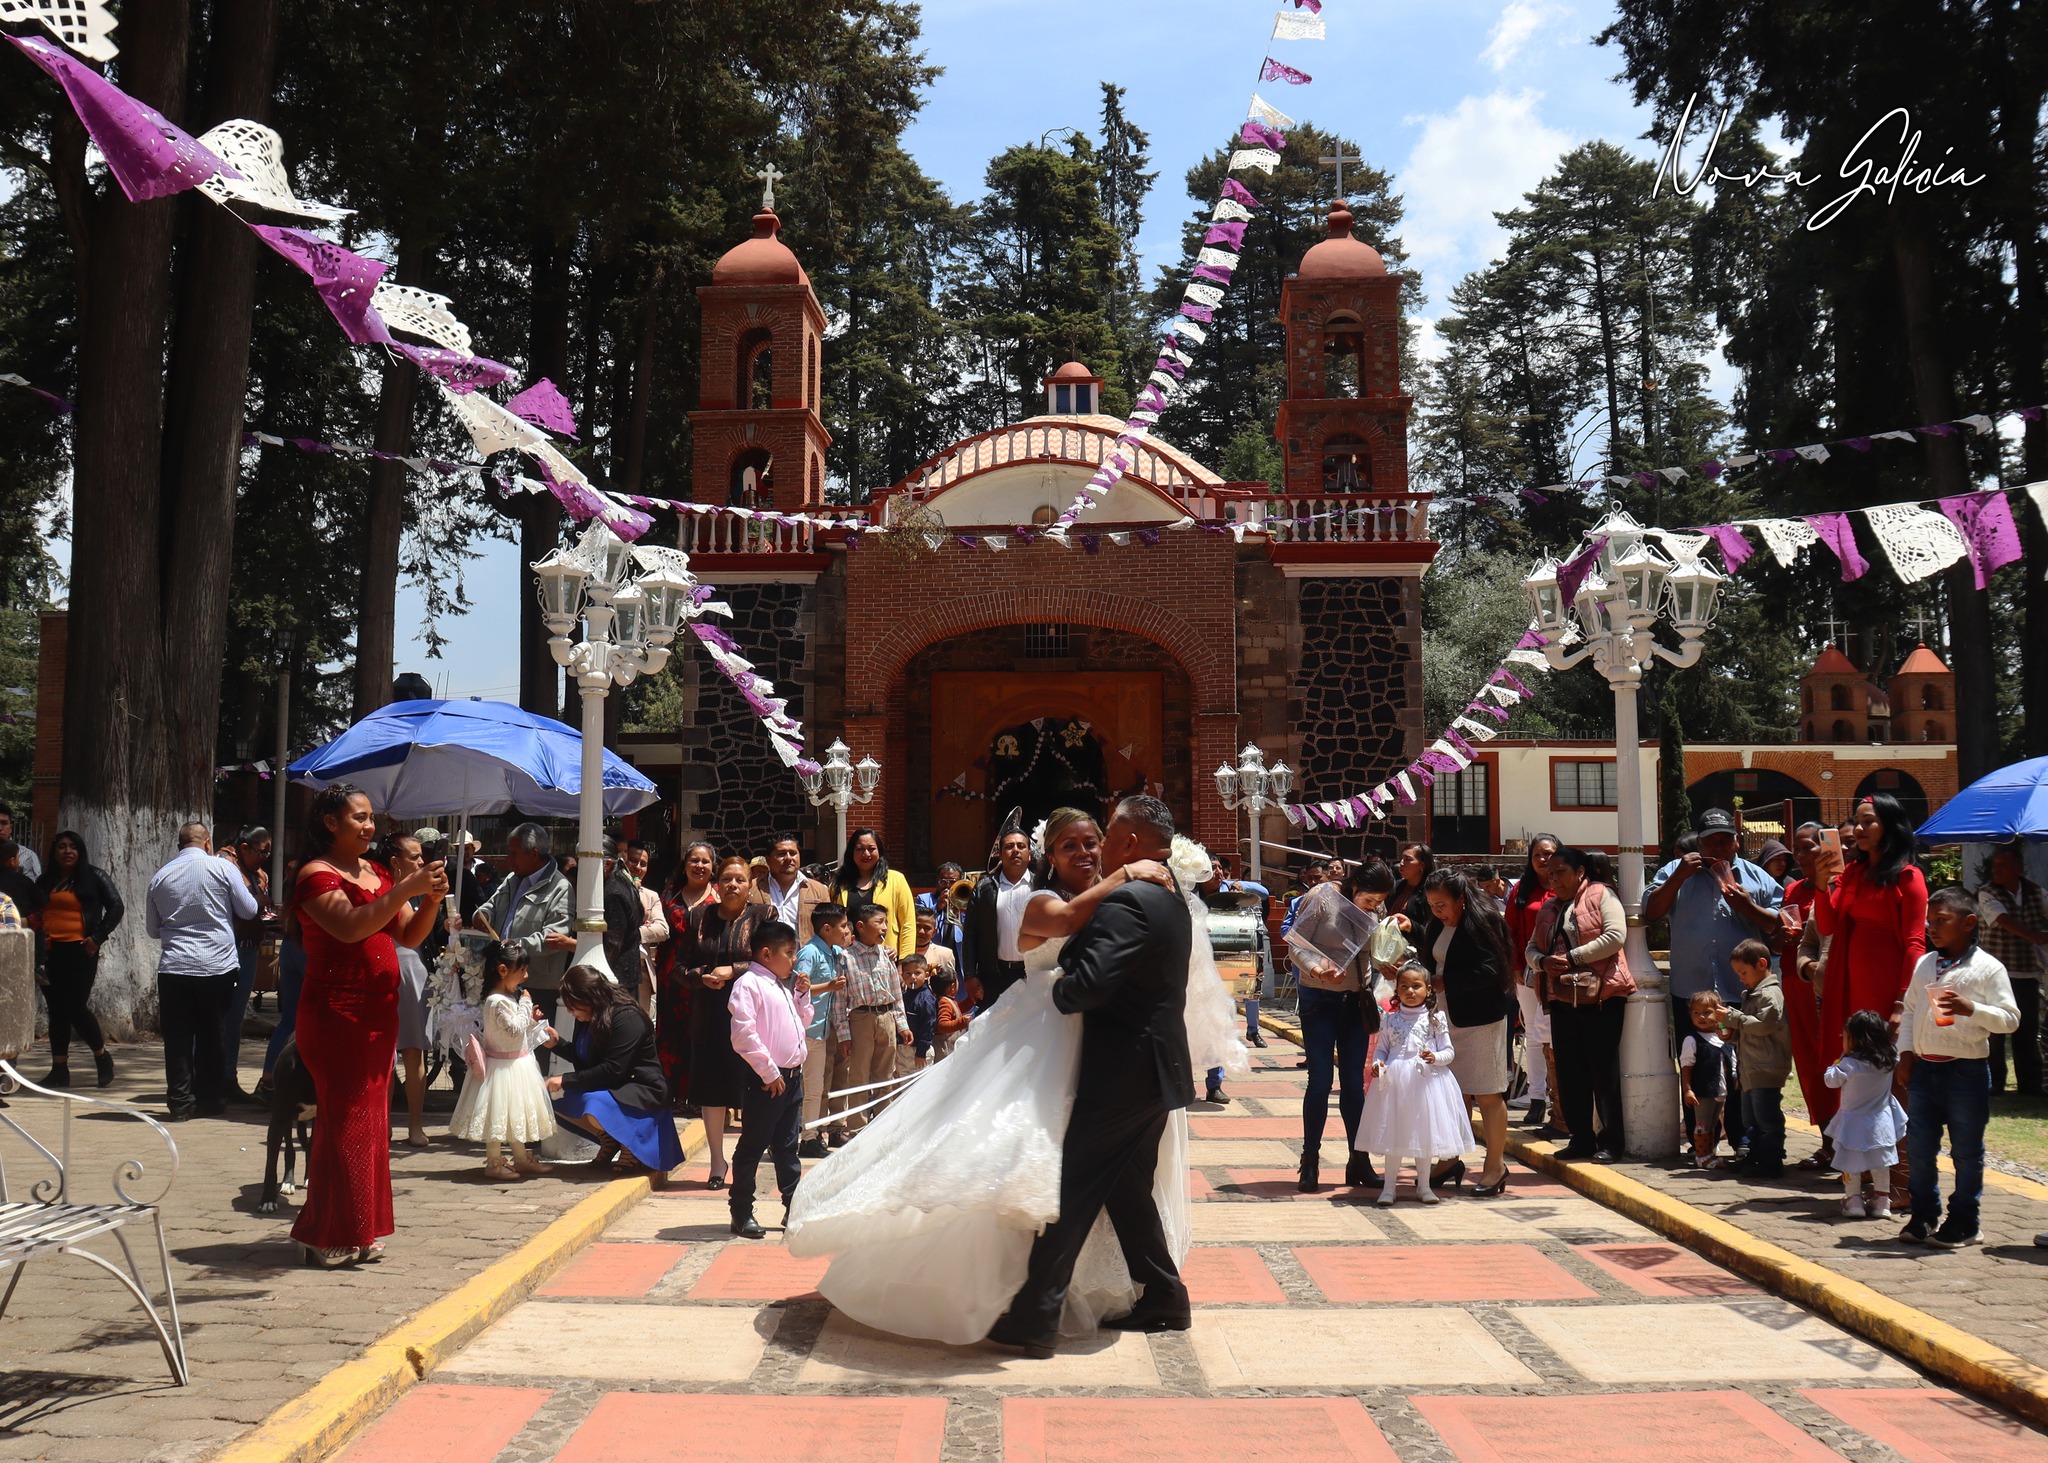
(317, 1423)
(1943, 1349)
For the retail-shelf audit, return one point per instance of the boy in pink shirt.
(769, 1015)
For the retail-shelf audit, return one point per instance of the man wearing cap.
(1716, 899)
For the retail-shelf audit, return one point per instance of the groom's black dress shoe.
(748, 1227)
(1155, 1319)
(1007, 1333)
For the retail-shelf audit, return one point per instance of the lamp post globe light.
(842, 783)
(1612, 621)
(629, 623)
(1251, 787)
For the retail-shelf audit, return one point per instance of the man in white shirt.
(194, 901)
(785, 890)
(30, 864)
(1958, 997)
(994, 917)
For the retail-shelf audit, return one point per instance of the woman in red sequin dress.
(353, 919)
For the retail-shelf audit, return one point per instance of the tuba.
(958, 896)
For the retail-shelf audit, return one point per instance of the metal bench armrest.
(56, 1188)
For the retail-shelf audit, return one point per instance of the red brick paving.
(1281, 1183)
(670, 1428)
(1230, 1275)
(1661, 1269)
(1191, 1430)
(1383, 1273)
(616, 1271)
(759, 1272)
(1653, 1427)
(1199, 1186)
(1930, 1426)
(1202, 1127)
(448, 1424)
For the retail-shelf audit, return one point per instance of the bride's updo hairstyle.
(1058, 823)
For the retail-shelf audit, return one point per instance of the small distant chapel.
(1037, 675)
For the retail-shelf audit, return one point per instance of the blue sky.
(1467, 102)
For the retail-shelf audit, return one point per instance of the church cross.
(769, 177)
(1920, 621)
(1339, 162)
(1835, 629)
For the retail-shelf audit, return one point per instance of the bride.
(929, 1218)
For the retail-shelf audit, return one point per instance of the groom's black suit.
(1126, 973)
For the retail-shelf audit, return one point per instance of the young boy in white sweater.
(1957, 998)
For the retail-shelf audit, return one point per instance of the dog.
(291, 1113)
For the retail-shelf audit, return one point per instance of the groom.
(1126, 973)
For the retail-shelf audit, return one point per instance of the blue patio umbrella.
(1998, 807)
(428, 759)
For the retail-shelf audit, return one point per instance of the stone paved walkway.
(1538, 1327)
(81, 1377)
(1998, 1292)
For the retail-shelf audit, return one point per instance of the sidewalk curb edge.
(320, 1421)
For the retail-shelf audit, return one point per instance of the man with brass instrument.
(947, 905)
(990, 958)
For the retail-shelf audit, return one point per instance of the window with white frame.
(1582, 784)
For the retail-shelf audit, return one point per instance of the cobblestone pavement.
(1998, 1292)
(81, 1377)
(1536, 1327)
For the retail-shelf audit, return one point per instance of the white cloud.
(1470, 163)
(1429, 345)
(1519, 20)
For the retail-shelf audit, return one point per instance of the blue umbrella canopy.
(1997, 808)
(426, 759)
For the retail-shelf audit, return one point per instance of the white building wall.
(1522, 795)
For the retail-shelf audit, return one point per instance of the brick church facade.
(1037, 674)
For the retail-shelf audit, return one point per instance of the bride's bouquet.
(1190, 862)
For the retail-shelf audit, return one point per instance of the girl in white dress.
(1869, 1125)
(1413, 1109)
(930, 1216)
(508, 1102)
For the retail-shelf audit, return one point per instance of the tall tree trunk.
(377, 606)
(631, 459)
(2022, 213)
(540, 517)
(207, 389)
(118, 788)
(1970, 644)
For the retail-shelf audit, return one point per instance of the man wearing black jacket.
(622, 917)
(1126, 973)
(995, 914)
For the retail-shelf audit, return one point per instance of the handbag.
(473, 1055)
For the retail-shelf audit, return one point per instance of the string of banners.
(1980, 424)
(1261, 139)
(1480, 721)
(242, 163)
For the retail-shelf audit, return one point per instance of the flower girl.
(1413, 1108)
(505, 1099)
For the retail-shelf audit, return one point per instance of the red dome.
(1072, 371)
(763, 259)
(1340, 256)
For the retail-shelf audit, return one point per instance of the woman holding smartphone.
(1874, 911)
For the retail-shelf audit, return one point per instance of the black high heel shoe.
(1494, 1189)
(1311, 1174)
(1358, 1170)
(1452, 1177)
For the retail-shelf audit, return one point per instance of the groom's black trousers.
(1109, 1161)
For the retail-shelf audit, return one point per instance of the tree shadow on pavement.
(29, 1397)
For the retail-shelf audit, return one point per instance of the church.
(992, 669)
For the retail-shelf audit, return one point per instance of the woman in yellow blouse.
(864, 877)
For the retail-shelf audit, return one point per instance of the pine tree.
(1125, 186)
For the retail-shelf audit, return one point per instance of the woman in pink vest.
(1585, 984)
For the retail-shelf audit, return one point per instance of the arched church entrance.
(1036, 717)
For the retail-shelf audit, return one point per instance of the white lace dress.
(930, 1216)
(510, 1101)
(1414, 1109)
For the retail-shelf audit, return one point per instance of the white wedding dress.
(929, 1217)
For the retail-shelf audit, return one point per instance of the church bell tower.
(758, 440)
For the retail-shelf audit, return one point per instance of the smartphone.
(1831, 838)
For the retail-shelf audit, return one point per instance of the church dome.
(763, 259)
(1340, 256)
(1073, 371)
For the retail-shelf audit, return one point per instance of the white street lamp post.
(1251, 787)
(628, 624)
(842, 783)
(1617, 608)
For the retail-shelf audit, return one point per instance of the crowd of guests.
(1826, 961)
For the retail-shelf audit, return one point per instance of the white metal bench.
(48, 1222)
